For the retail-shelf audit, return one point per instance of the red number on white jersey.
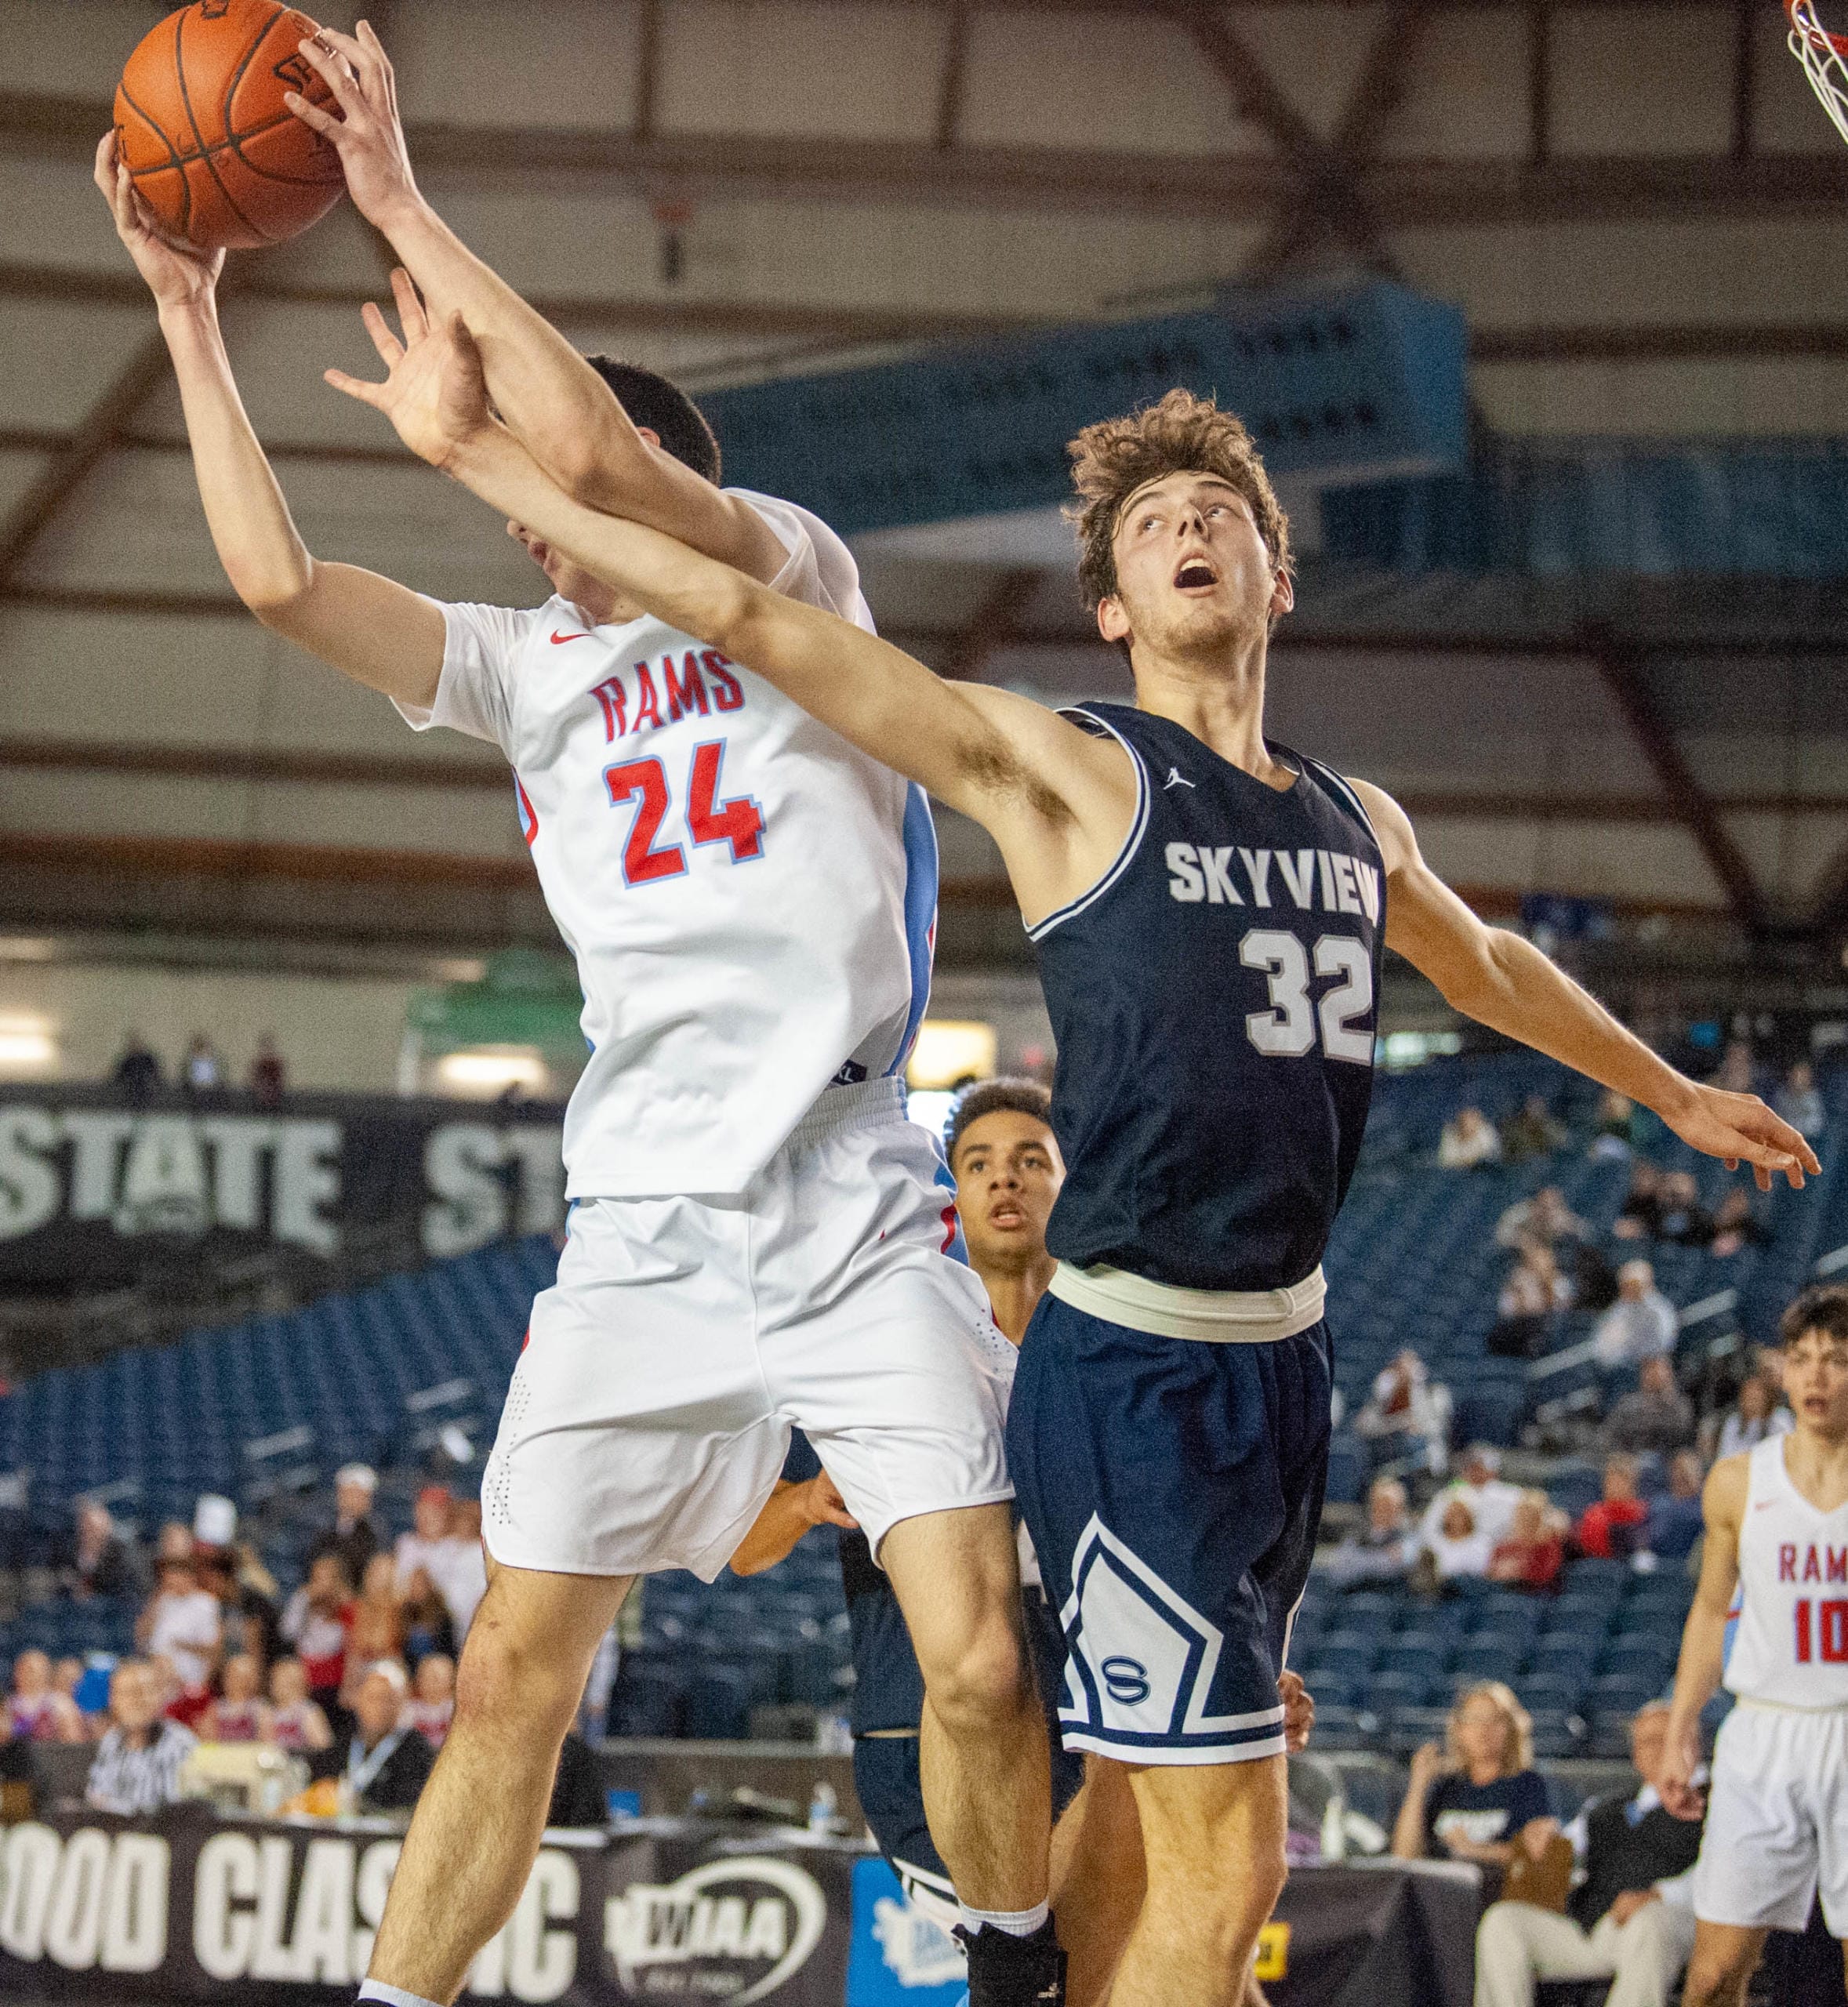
(641, 862)
(739, 822)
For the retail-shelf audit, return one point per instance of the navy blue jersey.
(1213, 999)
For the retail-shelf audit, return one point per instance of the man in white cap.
(352, 1535)
(383, 1760)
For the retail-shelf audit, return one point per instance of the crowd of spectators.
(200, 1073)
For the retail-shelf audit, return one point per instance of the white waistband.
(1786, 1706)
(859, 1106)
(1214, 1316)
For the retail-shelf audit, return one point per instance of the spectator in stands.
(36, 1711)
(1532, 1132)
(1630, 1918)
(378, 1627)
(1655, 1415)
(296, 1722)
(428, 1630)
(1384, 1550)
(202, 1071)
(1408, 1414)
(1675, 1522)
(352, 1536)
(137, 1763)
(1759, 1413)
(1642, 1214)
(249, 1599)
(1615, 1132)
(1798, 1101)
(97, 1560)
(432, 1705)
(267, 1077)
(174, 1542)
(1534, 1551)
(66, 1676)
(1469, 1140)
(1458, 1550)
(382, 1760)
(318, 1621)
(1479, 1484)
(1610, 1527)
(459, 1567)
(240, 1713)
(1736, 1225)
(1478, 1796)
(1546, 1217)
(1531, 1296)
(1685, 1222)
(1736, 1070)
(1640, 1325)
(181, 1623)
(136, 1073)
(431, 1515)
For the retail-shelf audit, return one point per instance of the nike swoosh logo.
(557, 638)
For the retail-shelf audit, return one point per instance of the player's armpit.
(370, 628)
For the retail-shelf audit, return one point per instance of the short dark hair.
(1017, 1097)
(666, 410)
(1824, 1309)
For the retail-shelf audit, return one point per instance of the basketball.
(200, 124)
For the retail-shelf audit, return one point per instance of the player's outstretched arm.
(556, 404)
(1057, 802)
(1703, 1639)
(374, 629)
(1505, 982)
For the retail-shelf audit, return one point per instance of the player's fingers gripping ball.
(209, 144)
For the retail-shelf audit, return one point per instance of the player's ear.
(1112, 622)
(1283, 595)
(648, 433)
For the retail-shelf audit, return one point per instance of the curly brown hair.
(1180, 434)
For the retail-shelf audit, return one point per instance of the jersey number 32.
(738, 823)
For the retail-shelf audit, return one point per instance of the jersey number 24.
(739, 822)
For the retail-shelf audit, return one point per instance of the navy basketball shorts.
(1173, 1488)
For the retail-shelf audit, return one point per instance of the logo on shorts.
(729, 1929)
(1126, 1679)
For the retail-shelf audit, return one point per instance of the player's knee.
(985, 1678)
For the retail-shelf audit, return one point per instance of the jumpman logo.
(1175, 778)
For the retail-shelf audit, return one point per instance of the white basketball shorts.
(650, 1413)
(1776, 1821)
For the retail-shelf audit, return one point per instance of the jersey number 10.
(739, 822)
(1822, 1631)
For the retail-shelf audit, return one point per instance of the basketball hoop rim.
(1812, 30)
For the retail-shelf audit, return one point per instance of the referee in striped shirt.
(137, 1764)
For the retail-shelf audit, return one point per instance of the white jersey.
(1791, 1648)
(750, 900)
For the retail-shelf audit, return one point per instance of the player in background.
(1209, 910)
(749, 900)
(1777, 1811)
(1008, 1170)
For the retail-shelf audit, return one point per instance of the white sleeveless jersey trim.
(1139, 824)
(1330, 779)
(1791, 1647)
(750, 901)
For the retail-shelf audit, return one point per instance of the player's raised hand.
(434, 392)
(1739, 1129)
(178, 274)
(368, 135)
(824, 1503)
(1299, 1711)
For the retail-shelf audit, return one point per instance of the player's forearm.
(1697, 1673)
(774, 1532)
(558, 406)
(256, 538)
(1513, 988)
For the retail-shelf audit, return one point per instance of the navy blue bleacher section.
(266, 1410)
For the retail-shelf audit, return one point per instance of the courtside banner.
(180, 1908)
(96, 1192)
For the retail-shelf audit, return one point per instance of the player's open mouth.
(1006, 1216)
(1194, 574)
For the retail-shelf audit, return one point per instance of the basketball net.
(1824, 58)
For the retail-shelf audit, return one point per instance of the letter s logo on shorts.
(730, 1929)
(1127, 1679)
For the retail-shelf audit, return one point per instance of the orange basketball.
(200, 121)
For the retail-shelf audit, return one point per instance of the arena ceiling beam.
(1622, 669)
(1235, 187)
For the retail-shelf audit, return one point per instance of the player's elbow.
(277, 594)
(1482, 976)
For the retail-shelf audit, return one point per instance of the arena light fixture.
(952, 1049)
(28, 1044)
(491, 1069)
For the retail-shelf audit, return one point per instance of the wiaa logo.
(729, 1929)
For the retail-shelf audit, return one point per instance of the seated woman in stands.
(296, 1722)
(240, 1713)
(1479, 1797)
(1535, 1551)
(36, 1710)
